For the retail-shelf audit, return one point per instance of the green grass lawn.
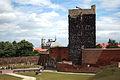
(23, 66)
(8, 77)
(57, 76)
(26, 66)
(107, 74)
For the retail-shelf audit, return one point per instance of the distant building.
(46, 45)
(104, 45)
(43, 51)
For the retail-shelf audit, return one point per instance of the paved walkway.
(68, 72)
(22, 76)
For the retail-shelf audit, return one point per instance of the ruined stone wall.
(57, 54)
(101, 57)
(62, 67)
(32, 60)
(82, 32)
(93, 60)
(43, 60)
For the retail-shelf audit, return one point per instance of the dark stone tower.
(82, 32)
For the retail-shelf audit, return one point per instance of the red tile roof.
(40, 49)
(102, 44)
(105, 44)
(118, 45)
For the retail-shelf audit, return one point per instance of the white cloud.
(84, 4)
(108, 23)
(11, 28)
(55, 7)
(34, 2)
(5, 6)
(41, 3)
(19, 30)
(117, 14)
(104, 36)
(22, 24)
(33, 21)
(109, 4)
(3, 27)
(7, 17)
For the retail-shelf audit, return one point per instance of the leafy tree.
(98, 46)
(112, 44)
(24, 48)
(1, 48)
(36, 53)
(7, 49)
(14, 49)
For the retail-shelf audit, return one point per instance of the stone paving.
(69, 72)
(22, 76)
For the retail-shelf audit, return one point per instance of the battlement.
(79, 11)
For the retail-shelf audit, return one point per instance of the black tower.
(82, 32)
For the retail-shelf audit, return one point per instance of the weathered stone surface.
(32, 60)
(82, 32)
(57, 54)
(93, 60)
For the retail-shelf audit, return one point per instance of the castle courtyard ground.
(53, 75)
(48, 75)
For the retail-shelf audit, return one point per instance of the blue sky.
(35, 19)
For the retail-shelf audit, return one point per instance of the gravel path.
(22, 76)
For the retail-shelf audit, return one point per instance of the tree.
(98, 46)
(36, 53)
(112, 44)
(1, 48)
(24, 48)
(7, 49)
(14, 49)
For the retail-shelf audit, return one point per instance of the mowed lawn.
(57, 76)
(23, 66)
(8, 77)
(107, 74)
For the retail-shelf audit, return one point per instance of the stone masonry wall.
(82, 32)
(33, 60)
(93, 60)
(61, 67)
(101, 57)
(57, 54)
